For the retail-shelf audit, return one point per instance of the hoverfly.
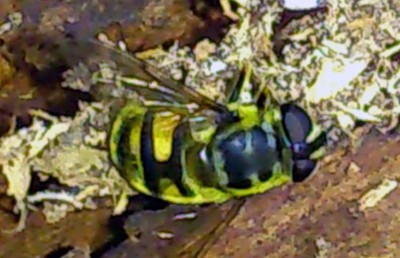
(186, 148)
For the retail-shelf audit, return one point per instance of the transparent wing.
(150, 83)
(232, 89)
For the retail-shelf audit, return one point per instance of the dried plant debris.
(70, 150)
(324, 248)
(374, 196)
(338, 64)
(295, 5)
(13, 20)
(7, 71)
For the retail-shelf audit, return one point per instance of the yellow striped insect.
(186, 148)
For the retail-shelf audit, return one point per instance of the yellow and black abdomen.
(155, 153)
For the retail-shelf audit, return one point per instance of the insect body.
(212, 153)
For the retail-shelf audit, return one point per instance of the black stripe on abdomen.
(154, 170)
(126, 160)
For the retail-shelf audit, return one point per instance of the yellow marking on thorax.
(203, 136)
(202, 130)
(249, 116)
(164, 125)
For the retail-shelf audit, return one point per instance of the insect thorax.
(243, 157)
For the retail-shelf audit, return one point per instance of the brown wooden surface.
(142, 23)
(294, 220)
(286, 222)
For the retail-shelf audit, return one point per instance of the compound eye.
(302, 169)
(296, 123)
(301, 150)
